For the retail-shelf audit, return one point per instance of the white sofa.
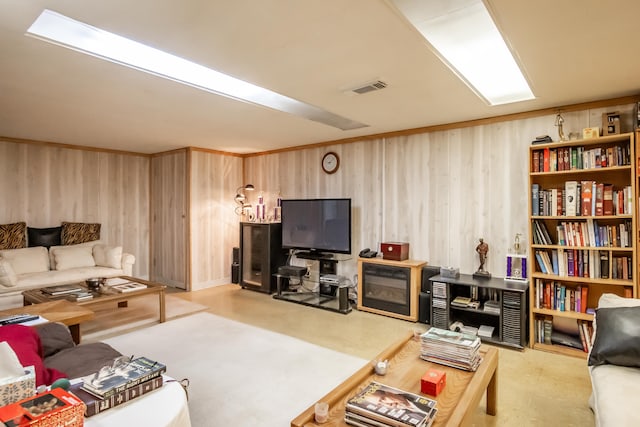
(38, 267)
(616, 387)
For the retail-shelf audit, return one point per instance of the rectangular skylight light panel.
(64, 31)
(468, 41)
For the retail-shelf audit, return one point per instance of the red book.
(536, 161)
(546, 159)
(586, 198)
(583, 299)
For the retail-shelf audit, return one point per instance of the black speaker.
(424, 306)
(235, 272)
(236, 255)
(428, 272)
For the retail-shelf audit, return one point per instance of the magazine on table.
(128, 287)
(391, 406)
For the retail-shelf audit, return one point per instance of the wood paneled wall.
(214, 224)
(43, 184)
(169, 218)
(439, 191)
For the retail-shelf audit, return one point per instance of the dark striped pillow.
(79, 232)
(13, 236)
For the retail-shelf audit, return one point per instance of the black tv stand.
(326, 294)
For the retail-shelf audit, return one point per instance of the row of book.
(379, 405)
(576, 158)
(450, 348)
(124, 380)
(584, 198)
(554, 295)
(584, 263)
(588, 233)
(546, 334)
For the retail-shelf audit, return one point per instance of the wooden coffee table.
(36, 296)
(456, 403)
(62, 311)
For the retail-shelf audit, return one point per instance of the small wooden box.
(395, 251)
(433, 381)
(611, 123)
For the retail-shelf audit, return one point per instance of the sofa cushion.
(61, 277)
(46, 237)
(8, 277)
(74, 257)
(615, 391)
(82, 360)
(618, 339)
(79, 232)
(53, 249)
(13, 236)
(27, 260)
(108, 256)
(54, 337)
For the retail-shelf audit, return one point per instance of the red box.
(433, 381)
(396, 251)
(49, 409)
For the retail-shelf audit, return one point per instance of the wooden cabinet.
(502, 305)
(261, 254)
(582, 235)
(389, 287)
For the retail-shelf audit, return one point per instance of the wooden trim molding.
(463, 124)
(71, 147)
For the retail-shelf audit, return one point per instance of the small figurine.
(482, 249)
(559, 123)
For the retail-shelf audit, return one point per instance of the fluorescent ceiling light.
(64, 31)
(468, 41)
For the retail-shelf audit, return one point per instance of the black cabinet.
(261, 254)
(499, 304)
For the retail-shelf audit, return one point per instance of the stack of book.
(455, 349)
(79, 296)
(116, 384)
(379, 405)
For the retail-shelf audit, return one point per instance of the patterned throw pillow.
(79, 232)
(13, 236)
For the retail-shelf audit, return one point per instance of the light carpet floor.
(141, 312)
(240, 375)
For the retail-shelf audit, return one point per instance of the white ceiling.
(572, 51)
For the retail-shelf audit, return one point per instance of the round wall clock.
(330, 162)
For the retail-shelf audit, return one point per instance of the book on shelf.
(123, 374)
(460, 301)
(380, 403)
(95, 405)
(571, 197)
(61, 289)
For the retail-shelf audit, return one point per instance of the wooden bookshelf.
(582, 248)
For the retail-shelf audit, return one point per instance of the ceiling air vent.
(370, 87)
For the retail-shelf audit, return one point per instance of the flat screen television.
(319, 226)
